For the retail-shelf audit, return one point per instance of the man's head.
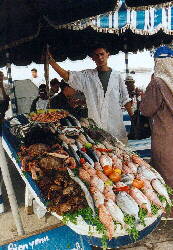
(55, 85)
(43, 91)
(66, 89)
(34, 73)
(100, 56)
(130, 83)
(1, 76)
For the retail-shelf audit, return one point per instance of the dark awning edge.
(144, 5)
(21, 41)
(65, 11)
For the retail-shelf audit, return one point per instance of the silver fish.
(76, 122)
(127, 179)
(160, 189)
(146, 173)
(127, 204)
(115, 211)
(141, 199)
(84, 188)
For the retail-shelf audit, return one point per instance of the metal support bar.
(10, 190)
(127, 63)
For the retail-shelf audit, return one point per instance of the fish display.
(87, 167)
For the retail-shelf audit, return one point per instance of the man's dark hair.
(42, 86)
(54, 82)
(63, 85)
(34, 69)
(97, 46)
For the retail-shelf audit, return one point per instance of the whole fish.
(150, 193)
(89, 139)
(116, 162)
(84, 188)
(97, 166)
(102, 176)
(115, 211)
(84, 155)
(75, 121)
(68, 123)
(97, 182)
(105, 160)
(84, 175)
(109, 193)
(146, 173)
(127, 204)
(87, 158)
(93, 155)
(90, 170)
(133, 167)
(98, 198)
(141, 199)
(107, 220)
(160, 189)
(127, 178)
(72, 150)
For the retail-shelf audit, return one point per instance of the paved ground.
(160, 239)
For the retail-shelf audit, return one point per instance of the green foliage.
(87, 215)
(142, 215)
(132, 230)
(168, 207)
(154, 209)
(169, 189)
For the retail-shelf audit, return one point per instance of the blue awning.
(143, 22)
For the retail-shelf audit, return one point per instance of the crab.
(41, 157)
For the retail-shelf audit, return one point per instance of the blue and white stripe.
(144, 22)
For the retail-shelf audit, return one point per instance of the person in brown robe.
(157, 104)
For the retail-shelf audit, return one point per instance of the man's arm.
(62, 72)
(129, 109)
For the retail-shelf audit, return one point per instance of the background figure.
(37, 80)
(58, 96)
(65, 97)
(130, 83)
(42, 101)
(157, 104)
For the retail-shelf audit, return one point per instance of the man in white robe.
(105, 92)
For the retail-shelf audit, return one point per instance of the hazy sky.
(141, 59)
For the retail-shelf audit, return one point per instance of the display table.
(11, 145)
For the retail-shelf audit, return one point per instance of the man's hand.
(51, 59)
(129, 109)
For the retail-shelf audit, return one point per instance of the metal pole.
(126, 60)
(12, 94)
(10, 190)
(127, 63)
(4, 167)
(46, 71)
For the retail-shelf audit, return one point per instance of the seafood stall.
(85, 177)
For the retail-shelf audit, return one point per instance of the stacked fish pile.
(127, 193)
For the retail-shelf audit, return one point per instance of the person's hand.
(51, 59)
